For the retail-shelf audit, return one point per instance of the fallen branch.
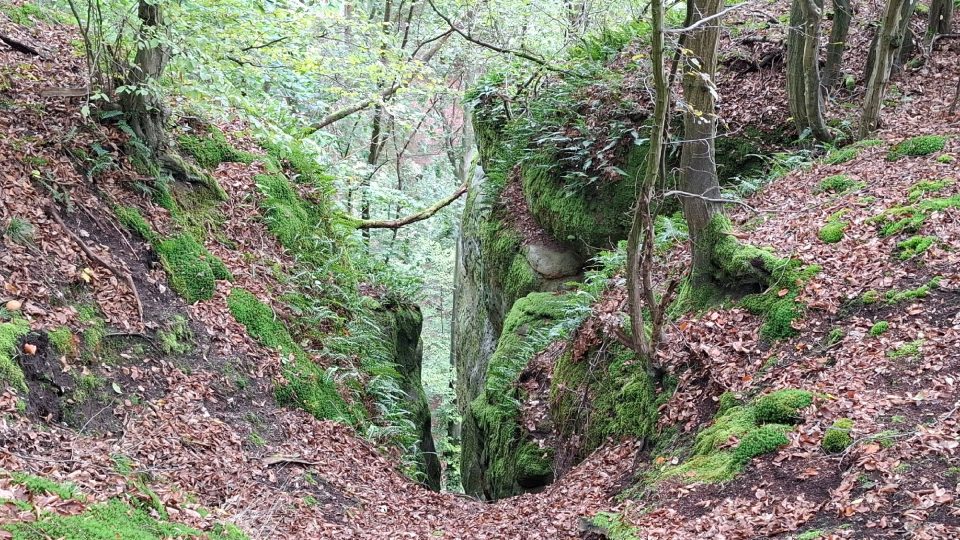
(19, 46)
(52, 212)
(413, 218)
(721, 200)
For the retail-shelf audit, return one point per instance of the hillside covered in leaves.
(374, 283)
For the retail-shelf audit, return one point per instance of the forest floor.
(204, 437)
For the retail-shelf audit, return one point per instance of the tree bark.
(803, 68)
(698, 166)
(940, 19)
(838, 42)
(883, 53)
(796, 83)
(144, 110)
(640, 241)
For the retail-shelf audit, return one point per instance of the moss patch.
(914, 246)
(917, 146)
(63, 341)
(839, 183)
(131, 218)
(879, 328)
(782, 407)
(833, 231)
(907, 350)
(906, 295)
(10, 334)
(306, 385)
(911, 217)
(212, 148)
(923, 188)
(193, 270)
(838, 438)
(848, 153)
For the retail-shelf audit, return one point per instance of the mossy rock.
(193, 270)
(838, 438)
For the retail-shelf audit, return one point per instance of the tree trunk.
(884, 52)
(796, 82)
(145, 112)
(698, 166)
(838, 42)
(812, 98)
(940, 20)
(640, 241)
(907, 37)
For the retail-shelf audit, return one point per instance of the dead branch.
(52, 212)
(19, 46)
(426, 213)
(676, 193)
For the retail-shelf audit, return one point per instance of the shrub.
(917, 146)
(838, 438)
(782, 407)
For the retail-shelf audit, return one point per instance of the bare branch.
(676, 193)
(705, 20)
(413, 218)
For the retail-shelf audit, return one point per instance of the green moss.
(306, 385)
(763, 440)
(110, 521)
(615, 527)
(212, 148)
(917, 146)
(923, 291)
(946, 159)
(736, 267)
(782, 407)
(812, 534)
(907, 350)
(131, 218)
(728, 400)
(832, 232)
(879, 328)
(520, 279)
(911, 217)
(839, 183)
(915, 245)
(63, 341)
(193, 270)
(870, 297)
(835, 336)
(838, 438)
(176, 337)
(843, 155)
(38, 485)
(10, 334)
(735, 422)
(25, 14)
(95, 328)
(924, 187)
(288, 217)
(495, 411)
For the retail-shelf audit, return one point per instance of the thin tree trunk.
(838, 42)
(698, 165)
(940, 19)
(796, 81)
(887, 44)
(145, 112)
(907, 38)
(640, 241)
(812, 97)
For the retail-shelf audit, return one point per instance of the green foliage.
(782, 407)
(288, 217)
(306, 384)
(193, 270)
(838, 438)
(131, 218)
(670, 231)
(38, 485)
(870, 297)
(10, 334)
(879, 328)
(212, 148)
(110, 521)
(812, 534)
(915, 245)
(922, 188)
(907, 350)
(835, 336)
(946, 159)
(922, 145)
(839, 183)
(63, 341)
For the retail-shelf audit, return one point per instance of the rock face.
(401, 326)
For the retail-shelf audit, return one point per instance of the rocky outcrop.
(401, 326)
